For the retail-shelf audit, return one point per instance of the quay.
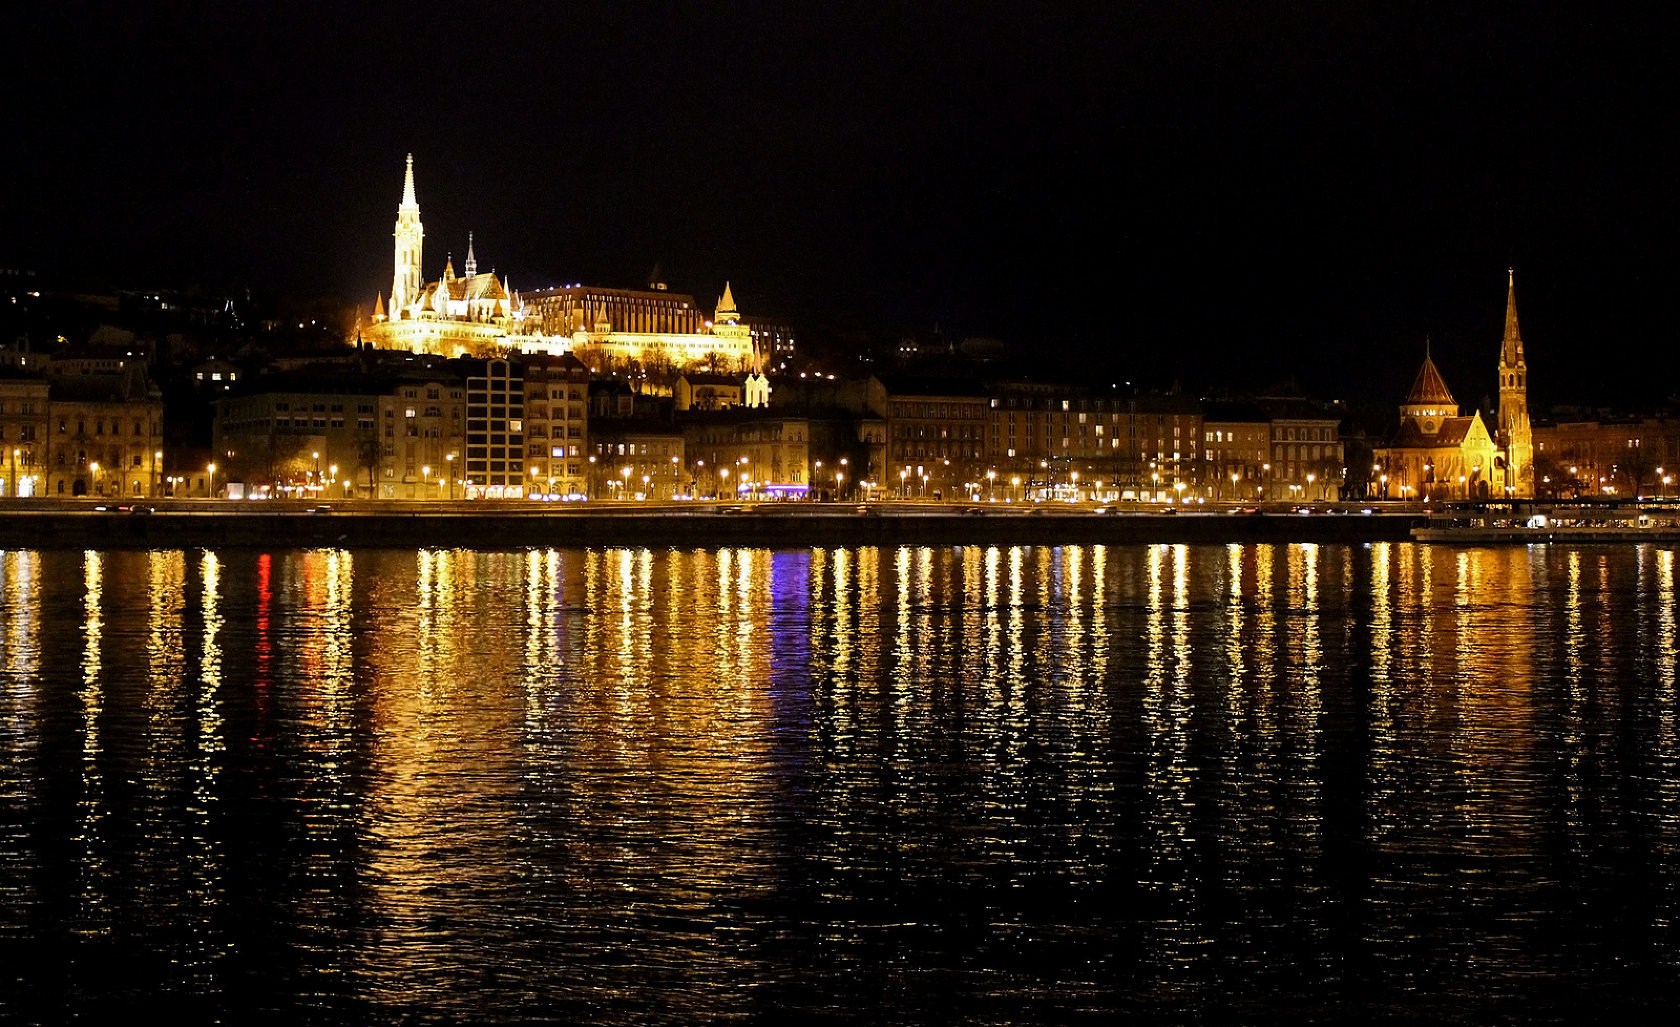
(480, 524)
(1529, 521)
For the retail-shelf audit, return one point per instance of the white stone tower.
(407, 282)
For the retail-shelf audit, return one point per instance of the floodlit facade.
(477, 315)
(1439, 454)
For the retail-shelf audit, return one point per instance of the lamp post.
(425, 481)
(93, 472)
(624, 490)
(991, 481)
(211, 489)
(449, 462)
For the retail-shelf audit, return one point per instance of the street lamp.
(425, 480)
(93, 469)
(449, 461)
(211, 491)
(624, 490)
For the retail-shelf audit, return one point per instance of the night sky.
(1230, 196)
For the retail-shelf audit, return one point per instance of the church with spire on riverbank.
(1437, 453)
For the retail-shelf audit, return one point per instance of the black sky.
(1230, 195)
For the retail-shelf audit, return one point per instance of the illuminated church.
(478, 315)
(472, 314)
(1439, 454)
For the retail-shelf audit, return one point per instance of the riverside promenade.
(181, 524)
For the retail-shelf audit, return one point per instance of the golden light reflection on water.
(626, 742)
(19, 624)
(1665, 770)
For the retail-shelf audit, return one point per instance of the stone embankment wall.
(769, 526)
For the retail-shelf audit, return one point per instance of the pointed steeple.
(449, 267)
(379, 307)
(472, 261)
(408, 201)
(1516, 432)
(1511, 353)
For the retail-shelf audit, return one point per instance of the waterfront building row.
(79, 426)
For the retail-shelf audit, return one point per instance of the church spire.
(409, 235)
(1516, 432)
(472, 261)
(408, 201)
(1511, 353)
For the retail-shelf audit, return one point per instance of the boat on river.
(1527, 521)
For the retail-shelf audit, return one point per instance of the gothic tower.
(407, 283)
(1516, 436)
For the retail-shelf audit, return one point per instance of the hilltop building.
(476, 314)
(454, 315)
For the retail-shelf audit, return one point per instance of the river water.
(1298, 784)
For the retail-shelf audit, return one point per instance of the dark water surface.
(1173, 784)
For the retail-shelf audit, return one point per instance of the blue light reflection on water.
(975, 785)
